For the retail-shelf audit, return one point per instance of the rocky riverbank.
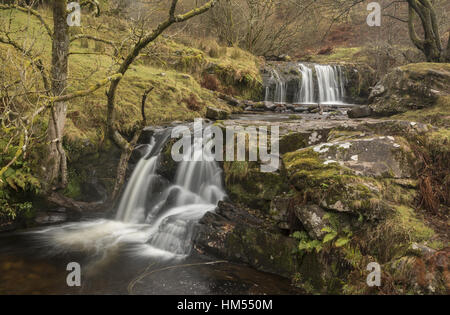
(348, 193)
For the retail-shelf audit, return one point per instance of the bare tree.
(54, 96)
(264, 27)
(142, 42)
(425, 11)
(431, 44)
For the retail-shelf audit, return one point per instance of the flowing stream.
(152, 229)
(155, 217)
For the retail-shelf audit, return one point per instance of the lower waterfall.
(155, 217)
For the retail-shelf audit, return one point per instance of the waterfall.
(280, 88)
(155, 216)
(171, 211)
(306, 91)
(330, 84)
(328, 87)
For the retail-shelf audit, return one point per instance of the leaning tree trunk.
(430, 45)
(56, 159)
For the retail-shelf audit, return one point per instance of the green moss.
(424, 67)
(247, 185)
(293, 141)
(339, 135)
(73, 189)
(306, 169)
(438, 114)
(341, 54)
(407, 221)
(333, 186)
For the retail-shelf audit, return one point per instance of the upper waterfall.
(330, 83)
(306, 91)
(306, 83)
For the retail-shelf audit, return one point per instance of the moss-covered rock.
(411, 87)
(246, 184)
(216, 114)
(238, 235)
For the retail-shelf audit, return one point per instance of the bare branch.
(30, 11)
(81, 93)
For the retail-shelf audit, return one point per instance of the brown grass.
(192, 103)
(210, 82)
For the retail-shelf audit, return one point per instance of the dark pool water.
(29, 267)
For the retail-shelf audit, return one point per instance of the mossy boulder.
(411, 87)
(360, 78)
(216, 114)
(297, 140)
(345, 179)
(239, 235)
(246, 184)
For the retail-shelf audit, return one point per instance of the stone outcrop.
(236, 234)
(345, 196)
(359, 112)
(216, 114)
(414, 86)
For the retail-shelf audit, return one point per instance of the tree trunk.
(430, 45)
(447, 54)
(56, 160)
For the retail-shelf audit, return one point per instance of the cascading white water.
(330, 84)
(155, 217)
(306, 90)
(172, 211)
(280, 88)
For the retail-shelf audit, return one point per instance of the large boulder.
(238, 235)
(359, 112)
(360, 77)
(347, 176)
(414, 86)
(216, 114)
(382, 156)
